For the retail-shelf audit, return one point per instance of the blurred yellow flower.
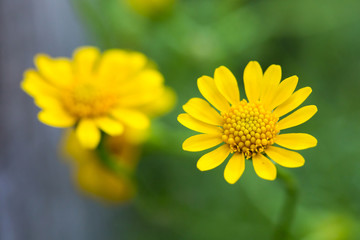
(96, 177)
(95, 92)
(151, 8)
(248, 128)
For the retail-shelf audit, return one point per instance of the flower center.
(248, 128)
(88, 100)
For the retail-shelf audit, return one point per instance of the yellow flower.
(248, 129)
(95, 92)
(95, 178)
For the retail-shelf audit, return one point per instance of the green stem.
(109, 162)
(288, 211)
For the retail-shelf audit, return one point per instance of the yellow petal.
(109, 125)
(298, 117)
(88, 133)
(214, 158)
(118, 65)
(34, 85)
(56, 118)
(112, 65)
(201, 142)
(285, 158)
(293, 102)
(208, 89)
(74, 150)
(270, 82)
(141, 97)
(144, 81)
(137, 61)
(296, 141)
(132, 118)
(86, 176)
(201, 110)
(58, 71)
(84, 60)
(252, 79)
(196, 125)
(50, 103)
(144, 88)
(264, 168)
(227, 85)
(283, 92)
(235, 168)
(163, 103)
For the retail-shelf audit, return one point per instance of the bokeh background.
(317, 40)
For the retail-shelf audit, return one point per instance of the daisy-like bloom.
(113, 183)
(96, 179)
(95, 91)
(248, 129)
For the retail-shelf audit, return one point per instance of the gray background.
(37, 197)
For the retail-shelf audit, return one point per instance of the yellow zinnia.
(248, 129)
(94, 92)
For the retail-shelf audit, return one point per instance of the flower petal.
(208, 89)
(270, 82)
(163, 103)
(141, 89)
(56, 118)
(214, 158)
(141, 98)
(58, 71)
(264, 168)
(34, 85)
(118, 65)
(293, 102)
(201, 110)
(109, 125)
(137, 61)
(88, 133)
(283, 92)
(285, 158)
(296, 141)
(112, 65)
(50, 103)
(132, 118)
(144, 81)
(84, 60)
(196, 125)
(227, 85)
(201, 142)
(298, 117)
(252, 79)
(235, 168)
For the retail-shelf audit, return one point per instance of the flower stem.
(287, 215)
(109, 162)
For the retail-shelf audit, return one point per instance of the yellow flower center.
(248, 128)
(88, 100)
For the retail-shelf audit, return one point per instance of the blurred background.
(316, 40)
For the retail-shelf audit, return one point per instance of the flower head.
(95, 91)
(94, 177)
(248, 129)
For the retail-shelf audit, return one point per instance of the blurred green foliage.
(317, 40)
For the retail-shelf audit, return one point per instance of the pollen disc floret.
(88, 100)
(248, 128)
